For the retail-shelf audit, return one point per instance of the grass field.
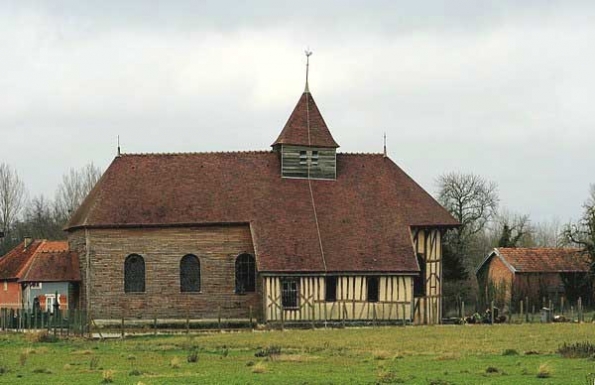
(410, 355)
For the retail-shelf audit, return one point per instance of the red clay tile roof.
(364, 215)
(13, 262)
(306, 127)
(52, 262)
(544, 260)
(42, 261)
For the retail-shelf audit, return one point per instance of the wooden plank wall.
(428, 309)
(394, 302)
(291, 167)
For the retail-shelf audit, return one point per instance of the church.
(298, 233)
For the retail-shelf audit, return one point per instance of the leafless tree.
(548, 233)
(473, 201)
(39, 221)
(12, 197)
(74, 188)
(582, 233)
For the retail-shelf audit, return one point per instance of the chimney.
(27, 241)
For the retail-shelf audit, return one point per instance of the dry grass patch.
(381, 355)
(82, 352)
(544, 371)
(259, 367)
(296, 358)
(448, 357)
(175, 363)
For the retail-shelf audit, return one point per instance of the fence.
(60, 322)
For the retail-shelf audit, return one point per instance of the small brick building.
(508, 275)
(39, 273)
(298, 233)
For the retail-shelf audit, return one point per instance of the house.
(299, 233)
(509, 275)
(39, 273)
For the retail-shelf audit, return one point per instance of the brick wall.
(11, 297)
(162, 249)
(501, 277)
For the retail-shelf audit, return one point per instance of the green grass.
(410, 355)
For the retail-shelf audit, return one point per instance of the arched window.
(134, 274)
(245, 274)
(189, 274)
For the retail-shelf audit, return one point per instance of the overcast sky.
(503, 89)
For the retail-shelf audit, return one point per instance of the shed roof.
(41, 261)
(541, 259)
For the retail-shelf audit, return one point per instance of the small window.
(289, 292)
(245, 274)
(134, 274)
(373, 289)
(314, 158)
(303, 158)
(419, 282)
(35, 285)
(189, 274)
(331, 289)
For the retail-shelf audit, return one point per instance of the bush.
(577, 350)
(272, 350)
(544, 371)
(40, 336)
(510, 352)
(491, 369)
(192, 355)
(108, 376)
(94, 363)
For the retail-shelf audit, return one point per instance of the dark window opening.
(314, 158)
(373, 289)
(303, 158)
(331, 289)
(245, 274)
(289, 292)
(134, 274)
(419, 282)
(189, 274)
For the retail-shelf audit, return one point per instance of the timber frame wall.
(427, 243)
(394, 299)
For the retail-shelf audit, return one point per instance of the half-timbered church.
(297, 233)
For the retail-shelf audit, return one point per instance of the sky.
(502, 89)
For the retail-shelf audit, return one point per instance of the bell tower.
(306, 146)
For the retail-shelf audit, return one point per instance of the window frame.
(327, 293)
(373, 290)
(131, 287)
(190, 284)
(290, 291)
(420, 282)
(245, 280)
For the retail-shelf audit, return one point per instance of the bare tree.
(548, 233)
(12, 196)
(582, 233)
(473, 201)
(513, 230)
(74, 188)
(39, 220)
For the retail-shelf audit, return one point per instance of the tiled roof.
(306, 127)
(364, 216)
(544, 259)
(41, 261)
(52, 262)
(13, 262)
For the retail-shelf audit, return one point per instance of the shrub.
(40, 336)
(94, 363)
(492, 369)
(175, 363)
(269, 352)
(42, 371)
(577, 350)
(510, 352)
(192, 355)
(108, 376)
(544, 371)
(135, 372)
(259, 368)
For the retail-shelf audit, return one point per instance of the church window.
(289, 292)
(189, 274)
(245, 274)
(373, 289)
(134, 274)
(331, 289)
(419, 282)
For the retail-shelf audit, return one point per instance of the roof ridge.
(361, 153)
(195, 153)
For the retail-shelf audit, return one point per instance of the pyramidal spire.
(308, 54)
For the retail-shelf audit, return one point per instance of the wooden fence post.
(521, 310)
(122, 328)
(492, 312)
(154, 324)
(187, 320)
(219, 317)
(580, 309)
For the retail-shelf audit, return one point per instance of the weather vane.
(308, 54)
